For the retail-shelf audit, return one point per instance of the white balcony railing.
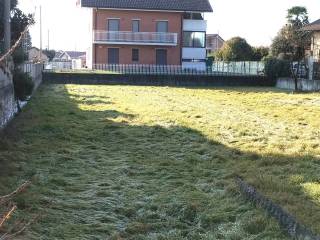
(194, 25)
(135, 38)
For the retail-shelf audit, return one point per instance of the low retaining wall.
(303, 84)
(8, 106)
(155, 80)
(36, 74)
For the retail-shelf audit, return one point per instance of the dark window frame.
(166, 60)
(116, 58)
(113, 19)
(162, 21)
(193, 45)
(135, 20)
(135, 56)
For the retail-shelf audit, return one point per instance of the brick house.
(213, 42)
(161, 32)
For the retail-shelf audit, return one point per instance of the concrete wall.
(8, 106)
(36, 74)
(156, 80)
(303, 84)
(7, 103)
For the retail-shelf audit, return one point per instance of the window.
(162, 26)
(195, 16)
(114, 25)
(135, 55)
(113, 55)
(194, 39)
(161, 56)
(135, 25)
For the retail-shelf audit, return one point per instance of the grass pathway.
(121, 162)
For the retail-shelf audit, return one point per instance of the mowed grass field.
(125, 162)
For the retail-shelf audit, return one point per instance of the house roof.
(214, 35)
(315, 26)
(74, 54)
(165, 5)
(71, 54)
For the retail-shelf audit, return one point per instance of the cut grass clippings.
(125, 162)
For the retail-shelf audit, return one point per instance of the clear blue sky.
(256, 20)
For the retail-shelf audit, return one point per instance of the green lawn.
(123, 162)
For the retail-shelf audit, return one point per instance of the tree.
(50, 54)
(22, 82)
(298, 16)
(259, 53)
(27, 42)
(19, 20)
(291, 42)
(235, 49)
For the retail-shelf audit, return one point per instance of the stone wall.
(8, 106)
(303, 84)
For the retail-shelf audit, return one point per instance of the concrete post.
(310, 64)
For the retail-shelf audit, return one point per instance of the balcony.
(194, 53)
(194, 25)
(135, 38)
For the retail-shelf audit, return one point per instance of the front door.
(161, 57)
(113, 55)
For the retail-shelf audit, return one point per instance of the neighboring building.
(74, 59)
(34, 55)
(314, 52)
(162, 32)
(214, 43)
(315, 39)
(70, 55)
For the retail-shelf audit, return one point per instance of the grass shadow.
(110, 175)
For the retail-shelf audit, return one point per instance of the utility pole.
(40, 52)
(48, 39)
(7, 25)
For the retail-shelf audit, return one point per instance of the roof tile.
(166, 5)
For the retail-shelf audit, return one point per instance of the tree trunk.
(295, 75)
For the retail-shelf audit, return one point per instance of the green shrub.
(19, 56)
(275, 68)
(23, 85)
(209, 61)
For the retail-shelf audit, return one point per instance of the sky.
(258, 21)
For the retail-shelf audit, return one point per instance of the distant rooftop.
(71, 54)
(74, 54)
(214, 35)
(315, 26)
(164, 5)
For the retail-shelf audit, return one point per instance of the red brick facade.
(148, 19)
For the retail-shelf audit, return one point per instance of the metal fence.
(316, 71)
(217, 68)
(56, 66)
(34, 70)
(243, 68)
